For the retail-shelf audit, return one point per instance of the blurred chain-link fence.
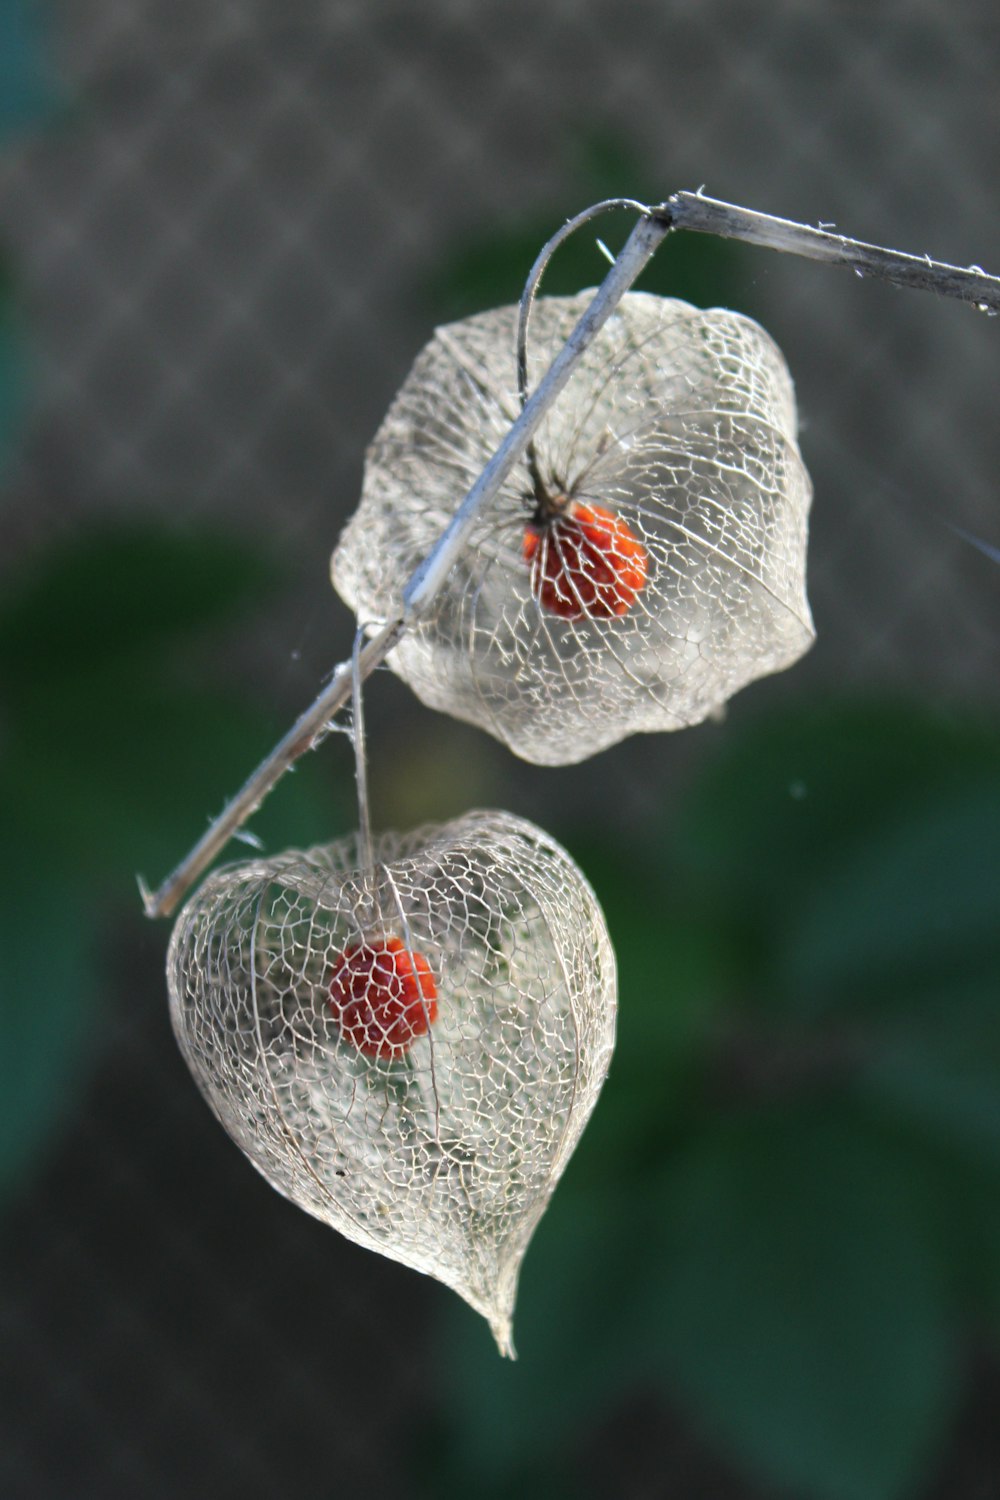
(236, 227)
(223, 238)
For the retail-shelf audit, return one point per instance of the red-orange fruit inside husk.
(383, 997)
(586, 562)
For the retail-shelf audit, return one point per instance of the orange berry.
(383, 997)
(586, 562)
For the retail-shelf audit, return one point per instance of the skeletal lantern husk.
(441, 1154)
(679, 423)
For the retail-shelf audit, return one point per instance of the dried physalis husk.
(408, 1052)
(655, 567)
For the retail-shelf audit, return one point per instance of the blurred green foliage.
(785, 1208)
(114, 742)
(491, 271)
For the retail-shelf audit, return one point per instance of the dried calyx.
(644, 562)
(408, 1049)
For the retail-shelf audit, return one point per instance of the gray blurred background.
(227, 229)
(222, 246)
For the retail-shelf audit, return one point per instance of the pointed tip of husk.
(502, 1330)
(497, 1307)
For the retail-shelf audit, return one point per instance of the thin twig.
(361, 758)
(709, 216)
(527, 302)
(683, 210)
(307, 731)
(608, 205)
(639, 247)
(427, 579)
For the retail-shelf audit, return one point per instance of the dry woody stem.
(684, 210)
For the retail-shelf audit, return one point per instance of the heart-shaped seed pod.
(650, 562)
(409, 1051)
